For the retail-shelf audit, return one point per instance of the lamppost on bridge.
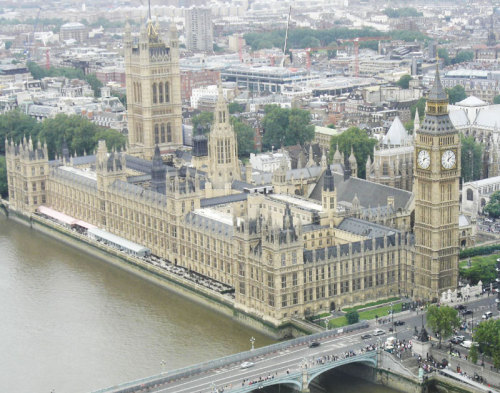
(163, 366)
(252, 341)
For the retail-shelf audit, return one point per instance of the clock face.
(424, 159)
(448, 159)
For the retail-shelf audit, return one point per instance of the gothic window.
(157, 137)
(470, 195)
(167, 92)
(169, 133)
(155, 98)
(162, 133)
(160, 92)
(385, 169)
(139, 92)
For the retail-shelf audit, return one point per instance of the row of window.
(161, 93)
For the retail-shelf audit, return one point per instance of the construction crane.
(308, 52)
(356, 42)
(286, 36)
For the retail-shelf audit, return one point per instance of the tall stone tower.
(436, 188)
(222, 147)
(153, 91)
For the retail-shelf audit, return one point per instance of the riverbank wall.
(217, 302)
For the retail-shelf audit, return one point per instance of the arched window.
(167, 92)
(169, 133)
(157, 137)
(160, 91)
(155, 98)
(470, 195)
(140, 92)
(135, 91)
(163, 133)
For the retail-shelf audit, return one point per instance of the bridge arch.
(292, 383)
(316, 372)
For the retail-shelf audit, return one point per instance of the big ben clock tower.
(436, 188)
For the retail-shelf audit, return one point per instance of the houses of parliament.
(292, 243)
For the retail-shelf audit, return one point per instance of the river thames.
(70, 323)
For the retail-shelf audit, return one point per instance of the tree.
(456, 94)
(487, 335)
(462, 57)
(94, 83)
(473, 354)
(352, 317)
(492, 208)
(114, 139)
(359, 141)
(443, 54)
(286, 127)
(202, 123)
(79, 133)
(471, 158)
(245, 136)
(420, 105)
(14, 125)
(442, 320)
(481, 270)
(234, 107)
(404, 81)
(3, 178)
(496, 100)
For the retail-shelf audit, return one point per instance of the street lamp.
(252, 341)
(326, 325)
(163, 366)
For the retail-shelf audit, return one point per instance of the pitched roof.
(471, 101)
(365, 228)
(397, 134)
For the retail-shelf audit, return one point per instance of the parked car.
(457, 339)
(466, 344)
(247, 364)
(487, 315)
(314, 344)
(378, 332)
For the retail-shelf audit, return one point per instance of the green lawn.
(381, 312)
(371, 304)
(482, 268)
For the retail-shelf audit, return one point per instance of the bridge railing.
(227, 360)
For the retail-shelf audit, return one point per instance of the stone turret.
(353, 163)
(158, 173)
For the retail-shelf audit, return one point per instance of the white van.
(487, 315)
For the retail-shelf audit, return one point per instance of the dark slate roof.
(313, 227)
(75, 177)
(137, 191)
(440, 124)
(241, 185)
(221, 200)
(365, 228)
(138, 164)
(208, 224)
(369, 193)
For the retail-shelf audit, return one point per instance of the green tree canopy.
(286, 127)
(202, 123)
(234, 107)
(420, 105)
(14, 125)
(404, 81)
(483, 269)
(442, 320)
(471, 159)
(245, 136)
(401, 12)
(352, 317)
(359, 141)
(487, 335)
(80, 134)
(456, 94)
(3, 178)
(492, 208)
(496, 100)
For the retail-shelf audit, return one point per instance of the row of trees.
(309, 38)
(460, 57)
(71, 73)
(402, 12)
(80, 134)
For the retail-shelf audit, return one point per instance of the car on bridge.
(314, 344)
(247, 364)
(378, 332)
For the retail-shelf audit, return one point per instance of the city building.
(153, 91)
(290, 243)
(73, 31)
(199, 29)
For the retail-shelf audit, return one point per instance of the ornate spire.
(437, 92)
(328, 181)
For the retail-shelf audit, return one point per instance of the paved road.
(293, 359)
